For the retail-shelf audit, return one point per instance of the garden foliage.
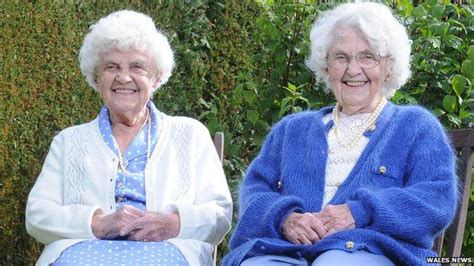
(240, 67)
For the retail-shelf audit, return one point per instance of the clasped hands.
(135, 224)
(309, 228)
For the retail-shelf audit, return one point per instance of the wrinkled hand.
(109, 226)
(303, 228)
(153, 226)
(336, 218)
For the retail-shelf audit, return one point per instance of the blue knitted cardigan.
(398, 212)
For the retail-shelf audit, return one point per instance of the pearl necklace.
(122, 164)
(354, 139)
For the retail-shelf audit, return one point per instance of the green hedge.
(240, 67)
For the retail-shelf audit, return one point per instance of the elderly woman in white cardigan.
(134, 185)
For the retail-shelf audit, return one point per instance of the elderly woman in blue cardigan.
(365, 182)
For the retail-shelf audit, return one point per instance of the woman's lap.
(340, 257)
(273, 260)
(109, 252)
(328, 258)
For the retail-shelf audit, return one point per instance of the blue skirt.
(121, 252)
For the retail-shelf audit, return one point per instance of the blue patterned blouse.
(129, 190)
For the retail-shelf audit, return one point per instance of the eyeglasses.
(366, 60)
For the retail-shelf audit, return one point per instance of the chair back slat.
(219, 144)
(462, 141)
(456, 232)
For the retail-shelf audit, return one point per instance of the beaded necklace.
(357, 134)
(123, 165)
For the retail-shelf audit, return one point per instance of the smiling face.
(126, 80)
(357, 90)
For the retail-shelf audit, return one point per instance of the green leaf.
(455, 25)
(445, 86)
(454, 119)
(249, 96)
(439, 112)
(470, 53)
(251, 85)
(263, 125)
(467, 68)
(453, 41)
(204, 103)
(434, 41)
(252, 115)
(437, 11)
(464, 114)
(296, 109)
(418, 12)
(450, 103)
(303, 99)
(212, 124)
(405, 7)
(284, 106)
(458, 82)
(291, 87)
(440, 28)
(239, 88)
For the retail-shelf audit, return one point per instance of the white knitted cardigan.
(184, 174)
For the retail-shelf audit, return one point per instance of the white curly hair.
(125, 30)
(384, 33)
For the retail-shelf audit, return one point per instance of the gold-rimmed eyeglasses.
(366, 60)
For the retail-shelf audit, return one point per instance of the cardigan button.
(349, 245)
(382, 169)
(372, 127)
(279, 185)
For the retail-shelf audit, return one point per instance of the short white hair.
(384, 33)
(125, 30)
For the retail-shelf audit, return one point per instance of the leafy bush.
(443, 66)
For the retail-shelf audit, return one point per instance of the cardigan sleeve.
(47, 218)
(208, 217)
(262, 209)
(426, 203)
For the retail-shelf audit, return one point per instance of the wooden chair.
(463, 144)
(219, 144)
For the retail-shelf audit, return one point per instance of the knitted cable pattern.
(75, 170)
(180, 137)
